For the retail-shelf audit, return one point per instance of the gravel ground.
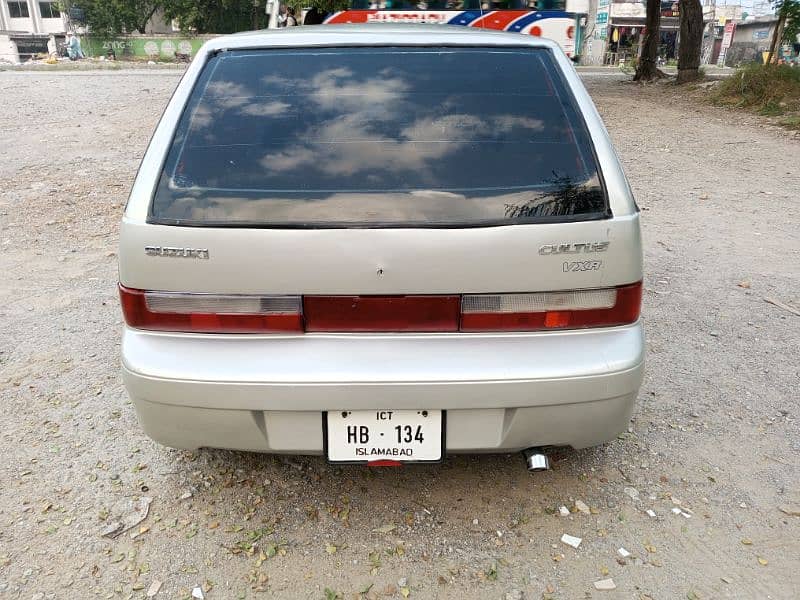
(715, 433)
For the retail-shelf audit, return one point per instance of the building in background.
(751, 40)
(30, 16)
(31, 27)
(617, 26)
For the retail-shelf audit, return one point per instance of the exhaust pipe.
(536, 460)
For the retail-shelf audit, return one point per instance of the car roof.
(375, 34)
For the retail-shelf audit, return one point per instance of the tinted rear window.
(372, 137)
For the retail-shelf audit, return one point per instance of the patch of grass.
(769, 90)
(791, 123)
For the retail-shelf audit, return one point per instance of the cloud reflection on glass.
(380, 136)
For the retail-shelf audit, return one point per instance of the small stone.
(154, 588)
(474, 521)
(563, 511)
(632, 492)
(623, 553)
(582, 507)
(676, 511)
(571, 540)
(186, 495)
(605, 585)
(111, 529)
(198, 593)
(402, 582)
(743, 505)
(651, 513)
(793, 510)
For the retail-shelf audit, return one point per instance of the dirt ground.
(715, 433)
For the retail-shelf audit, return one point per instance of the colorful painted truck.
(561, 26)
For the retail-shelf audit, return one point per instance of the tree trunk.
(142, 28)
(691, 40)
(647, 69)
(776, 38)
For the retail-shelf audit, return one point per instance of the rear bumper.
(503, 392)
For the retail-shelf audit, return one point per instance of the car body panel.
(268, 393)
(380, 261)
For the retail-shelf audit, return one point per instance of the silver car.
(382, 244)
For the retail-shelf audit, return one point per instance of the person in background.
(291, 20)
(74, 50)
(283, 15)
(313, 17)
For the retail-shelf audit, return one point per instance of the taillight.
(381, 313)
(210, 313)
(551, 310)
(231, 313)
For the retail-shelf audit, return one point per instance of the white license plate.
(368, 435)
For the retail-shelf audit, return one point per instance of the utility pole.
(708, 40)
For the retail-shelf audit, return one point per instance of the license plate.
(368, 435)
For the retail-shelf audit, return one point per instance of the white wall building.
(31, 16)
(29, 27)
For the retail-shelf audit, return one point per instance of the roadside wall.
(8, 50)
(156, 47)
(743, 52)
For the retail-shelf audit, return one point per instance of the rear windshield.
(380, 137)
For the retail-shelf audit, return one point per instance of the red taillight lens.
(210, 313)
(382, 313)
(537, 311)
(577, 309)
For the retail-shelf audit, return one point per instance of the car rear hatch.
(384, 189)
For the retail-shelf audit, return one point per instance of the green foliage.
(112, 17)
(215, 16)
(117, 16)
(791, 123)
(791, 10)
(767, 89)
(324, 6)
(230, 16)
